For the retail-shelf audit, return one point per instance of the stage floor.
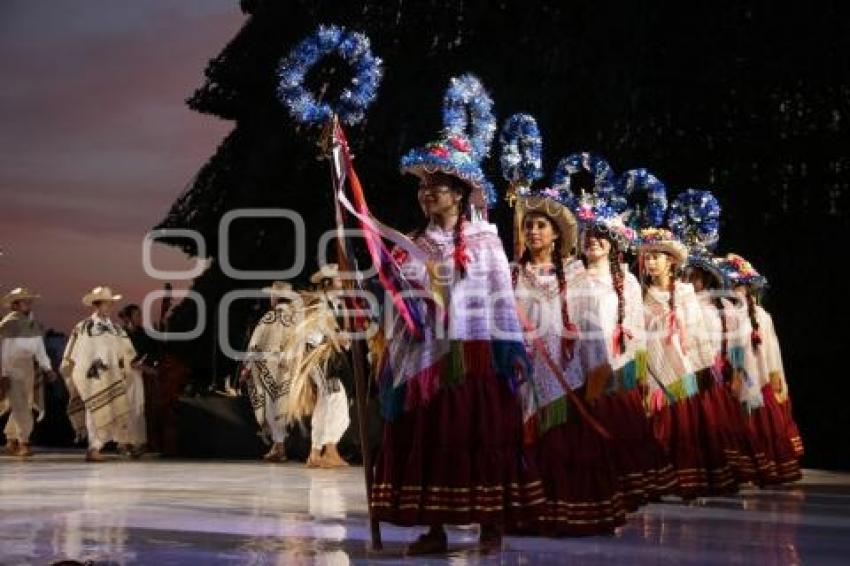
(161, 512)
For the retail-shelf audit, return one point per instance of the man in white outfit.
(330, 417)
(267, 375)
(103, 376)
(21, 351)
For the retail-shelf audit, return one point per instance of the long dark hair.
(755, 335)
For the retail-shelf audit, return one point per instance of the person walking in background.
(22, 352)
(104, 381)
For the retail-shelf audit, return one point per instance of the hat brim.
(90, 300)
(320, 276)
(677, 250)
(559, 214)
(478, 192)
(711, 268)
(277, 292)
(8, 300)
(757, 283)
(622, 241)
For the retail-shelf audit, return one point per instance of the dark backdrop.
(744, 98)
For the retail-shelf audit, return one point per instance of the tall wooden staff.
(337, 153)
(350, 107)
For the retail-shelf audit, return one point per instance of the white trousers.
(97, 440)
(135, 432)
(330, 418)
(20, 423)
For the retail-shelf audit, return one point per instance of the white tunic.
(714, 327)
(764, 363)
(21, 348)
(598, 305)
(540, 300)
(674, 357)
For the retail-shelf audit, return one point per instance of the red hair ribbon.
(674, 326)
(621, 334)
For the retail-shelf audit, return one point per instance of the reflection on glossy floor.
(198, 512)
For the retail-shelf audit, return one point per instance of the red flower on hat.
(460, 144)
(439, 151)
(586, 213)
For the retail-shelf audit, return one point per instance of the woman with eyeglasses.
(452, 450)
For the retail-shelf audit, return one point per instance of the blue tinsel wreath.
(637, 181)
(695, 218)
(522, 149)
(605, 192)
(468, 110)
(353, 48)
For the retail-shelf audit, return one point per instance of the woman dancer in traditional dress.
(573, 454)
(678, 364)
(770, 418)
(609, 298)
(694, 216)
(452, 450)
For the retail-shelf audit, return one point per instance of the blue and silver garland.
(468, 110)
(605, 189)
(522, 150)
(640, 181)
(351, 106)
(695, 218)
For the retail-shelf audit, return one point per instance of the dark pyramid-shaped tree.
(739, 97)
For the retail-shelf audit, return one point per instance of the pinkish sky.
(96, 141)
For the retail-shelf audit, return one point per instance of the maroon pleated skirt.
(791, 429)
(643, 470)
(775, 451)
(459, 459)
(728, 460)
(689, 431)
(580, 481)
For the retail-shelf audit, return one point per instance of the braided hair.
(569, 330)
(755, 336)
(724, 328)
(618, 281)
(671, 287)
(461, 256)
(709, 283)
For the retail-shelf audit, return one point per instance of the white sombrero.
(559, 214)
(18, 294)
(328, 271)
(663, 240)
(99, 294)
(279, 289)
